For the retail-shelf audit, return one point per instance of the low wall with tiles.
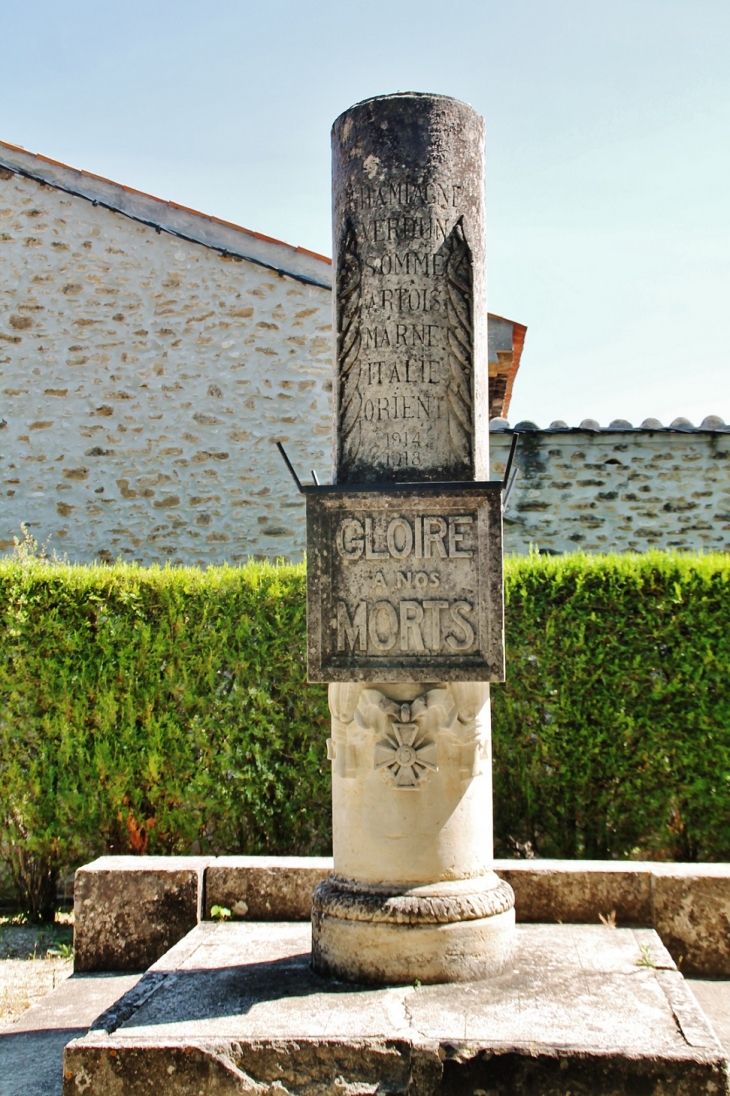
(616, 489)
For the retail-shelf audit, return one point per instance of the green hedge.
(166, 710)
(158, 711)
(612, 734)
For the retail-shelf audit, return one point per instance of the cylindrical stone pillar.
(411, 394)
(413, 894)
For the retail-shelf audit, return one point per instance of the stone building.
(151, 355)
(149, 358)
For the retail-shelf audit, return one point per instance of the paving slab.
(236, 1008)
(25, 982)
(31, 1049)
(714, 999)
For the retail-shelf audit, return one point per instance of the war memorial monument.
(404, 557)
(415, 978)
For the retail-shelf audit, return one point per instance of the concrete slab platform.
(128, 910)
(265, 888)
(31, 1049)
(692, 915)
(236, 1008)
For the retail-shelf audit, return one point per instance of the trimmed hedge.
(166, 711)
(612, 734)
(158, 711)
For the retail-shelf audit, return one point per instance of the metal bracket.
(509, 481)
(505, 485)
(290, 466)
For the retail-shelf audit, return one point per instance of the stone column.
(413, 894)
(410, 291)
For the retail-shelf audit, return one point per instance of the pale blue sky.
(608, 153)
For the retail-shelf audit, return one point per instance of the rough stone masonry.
(144, 375)
(146, 364)
(617, 489)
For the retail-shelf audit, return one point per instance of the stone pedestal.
(413, 894)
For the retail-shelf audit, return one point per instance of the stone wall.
(143, 379)
(616, 489)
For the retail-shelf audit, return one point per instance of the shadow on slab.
(213, 993)
(32, 1061)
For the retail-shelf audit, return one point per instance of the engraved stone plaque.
(405, 584)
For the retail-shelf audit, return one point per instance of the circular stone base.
(388, 954)
(445, 933)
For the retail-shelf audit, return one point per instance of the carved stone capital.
(413, 728)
